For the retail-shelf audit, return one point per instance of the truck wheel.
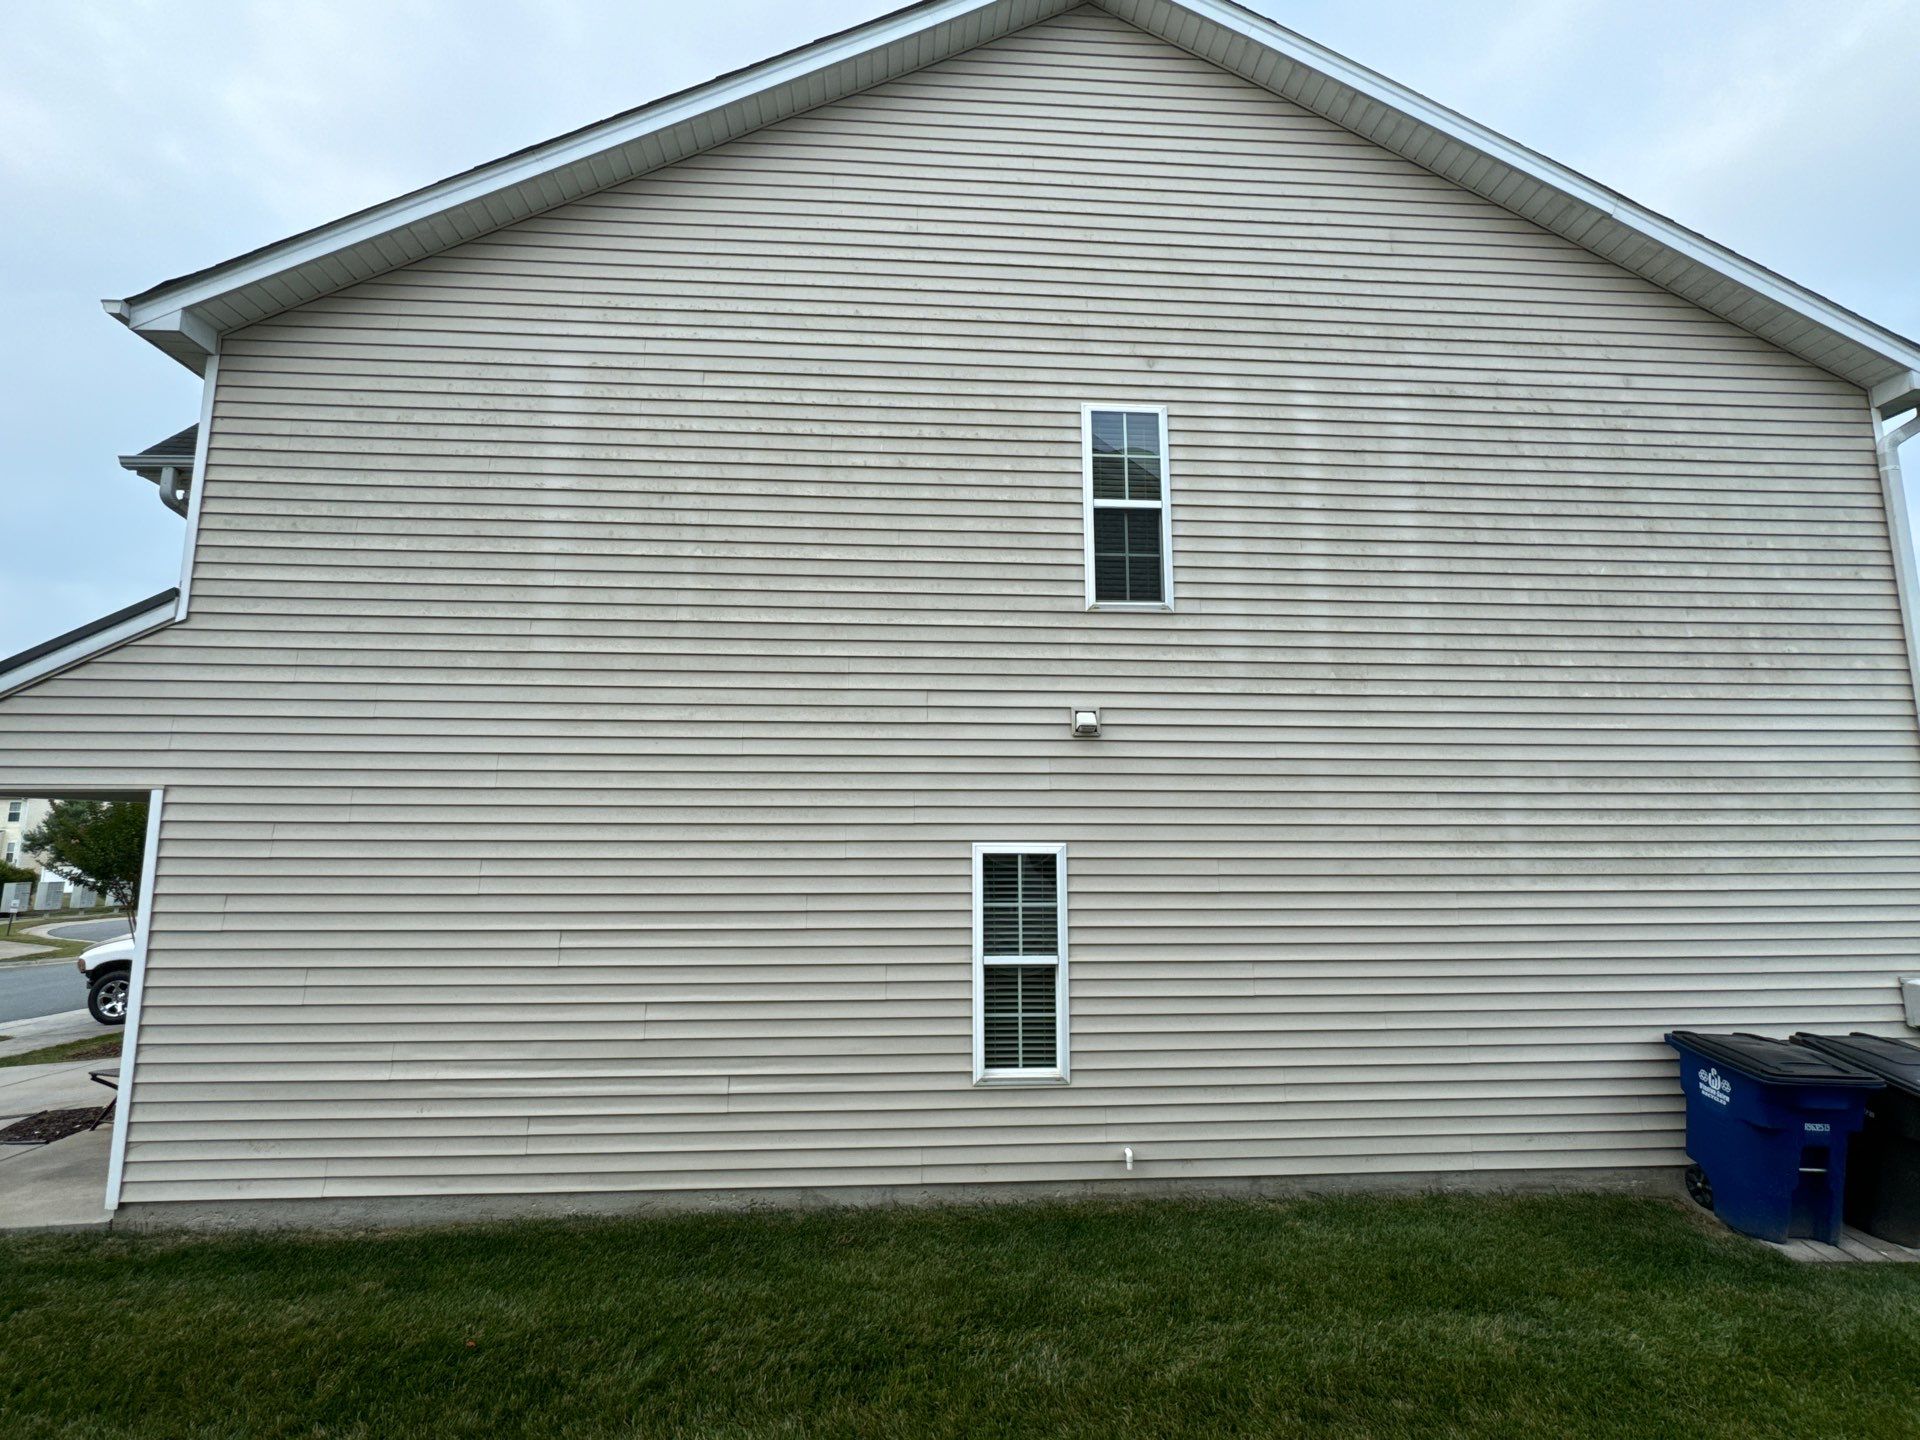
(107, 998)
(1699, 1187)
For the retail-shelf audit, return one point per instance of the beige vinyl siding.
(610, 637)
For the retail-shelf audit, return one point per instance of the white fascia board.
(98, 643)
(161, 310)
(1448, 124)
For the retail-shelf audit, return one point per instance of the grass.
(50, 948)
(93, 1047)
(1537, 1317)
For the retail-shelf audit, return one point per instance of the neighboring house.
(1487, 590)
(19, 815)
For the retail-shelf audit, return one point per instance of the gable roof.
(177, 449)
(185, 316)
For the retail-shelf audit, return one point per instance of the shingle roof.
(89, 630)
(175, 448)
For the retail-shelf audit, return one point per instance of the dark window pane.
(1000, 878)
(1039, 930)
(1019, 1019)
(1000, 929)
(1108, 434)
(1143, 432)
(1143, 532)
(1018, 904)
(1109, 477)
(1143, 579)
(1126, 556)
(1039, 878)
(1143, 480)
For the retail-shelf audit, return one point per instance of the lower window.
(1020, 962)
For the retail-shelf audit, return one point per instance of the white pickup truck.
(108, 971)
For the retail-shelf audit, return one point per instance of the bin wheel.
(1699, 1187)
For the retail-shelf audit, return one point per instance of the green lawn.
(49, 948)
(92, 1047)
(1349, 1317)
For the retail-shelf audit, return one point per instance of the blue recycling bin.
(1767, 1129)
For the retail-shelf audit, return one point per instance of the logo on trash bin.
(1715, 1086)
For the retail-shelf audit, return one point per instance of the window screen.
(1019, 976)
(1126, 507)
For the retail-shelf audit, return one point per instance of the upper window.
(1020, 962)
(13, 809)
(1129, 537)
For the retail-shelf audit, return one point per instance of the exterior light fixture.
(1086, 724)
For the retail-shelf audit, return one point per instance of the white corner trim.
(197, 486)
(136, 990)
(1454, 126)
(1900, 538)
(85, 648)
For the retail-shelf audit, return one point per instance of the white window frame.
(1164, 504)
(1062, 1072)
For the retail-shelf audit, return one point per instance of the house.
(1065, 596)
(20, 814)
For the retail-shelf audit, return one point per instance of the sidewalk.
(62, 1185)
(59, 1186)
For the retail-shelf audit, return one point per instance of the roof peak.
(187, 315)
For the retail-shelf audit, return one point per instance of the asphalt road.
(43, 988)
(95, 930)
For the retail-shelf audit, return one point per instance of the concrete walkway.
(62, 1185)
(28, 1089)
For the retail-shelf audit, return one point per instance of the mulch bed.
(50, 1125)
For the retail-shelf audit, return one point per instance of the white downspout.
(1900, 533)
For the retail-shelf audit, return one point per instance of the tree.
(9, 872)
(100, 844)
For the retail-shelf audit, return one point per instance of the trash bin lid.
(1895, 1061)
(1775, 1061)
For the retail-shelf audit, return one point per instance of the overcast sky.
(143, 138)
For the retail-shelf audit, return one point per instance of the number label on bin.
(1715, 1086)
(1817, 1129)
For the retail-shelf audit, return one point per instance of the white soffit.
(185, 317)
